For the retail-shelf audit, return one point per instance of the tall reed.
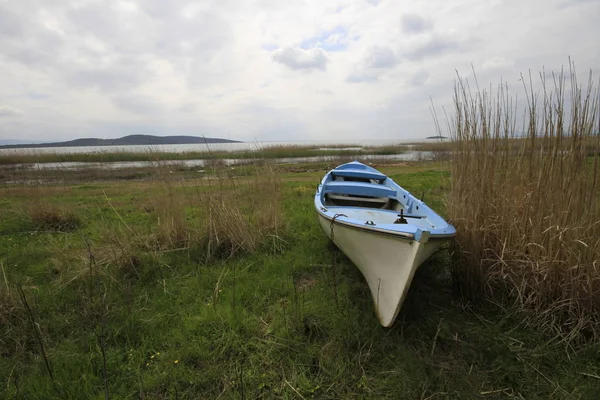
(527, 207)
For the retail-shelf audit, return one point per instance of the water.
(406, 156)
(181, 148)
(229, 147)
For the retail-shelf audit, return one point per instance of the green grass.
(261, 325)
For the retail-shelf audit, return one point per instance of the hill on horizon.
(139, 140)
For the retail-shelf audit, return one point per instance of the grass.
(157, 170)
(12, 157)
(527, 210)
(51, 218)
(134, 303)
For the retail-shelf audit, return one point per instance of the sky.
(270, 70)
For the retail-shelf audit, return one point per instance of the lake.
(181, 148)
(406, 156)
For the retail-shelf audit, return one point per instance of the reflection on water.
(407, 156)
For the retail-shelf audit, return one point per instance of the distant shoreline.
(131, 140)
(437, 137)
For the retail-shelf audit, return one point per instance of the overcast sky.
(269, 69)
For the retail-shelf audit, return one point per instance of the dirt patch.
(305, 282)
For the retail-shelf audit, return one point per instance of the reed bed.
(435, 146)
(527, 209)
(9, 158)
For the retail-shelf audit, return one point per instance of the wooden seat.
(358, 189)
(358, 173)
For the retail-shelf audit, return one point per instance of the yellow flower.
(152, 356)
(158, 354)
(176, 362)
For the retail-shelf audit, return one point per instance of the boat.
(382, 228)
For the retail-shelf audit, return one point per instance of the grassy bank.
(26, 156)
(223, 288)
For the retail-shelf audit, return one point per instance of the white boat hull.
(388, 262)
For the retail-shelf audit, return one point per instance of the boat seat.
(358, 173)
(375, 200)
(358, 189)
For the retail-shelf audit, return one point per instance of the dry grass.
(45, 217)
(170, 211)
(527, 210)
(14, 160)
(242, 218)
(224, 216)
(434, 145)
(11, 314)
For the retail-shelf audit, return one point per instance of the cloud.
(270, 123)
(380, 57)
(376, 61)
(157, 27)
(420, 78)
(269, 47)
(362, 77)
(326, 92)
(113, 67)
(332, 40)
(298, 59)
(6, 111)
(188, 108)
(496, 63)
(126, 73)
(10, 24)
(32, 47)
(101, 22)
(435, 45)
(138, 104)
(415, 24)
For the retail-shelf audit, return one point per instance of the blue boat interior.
(359, 189)
(358, 185)
(364, 196)
(358, 173)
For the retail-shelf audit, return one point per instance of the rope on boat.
(331, 225)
